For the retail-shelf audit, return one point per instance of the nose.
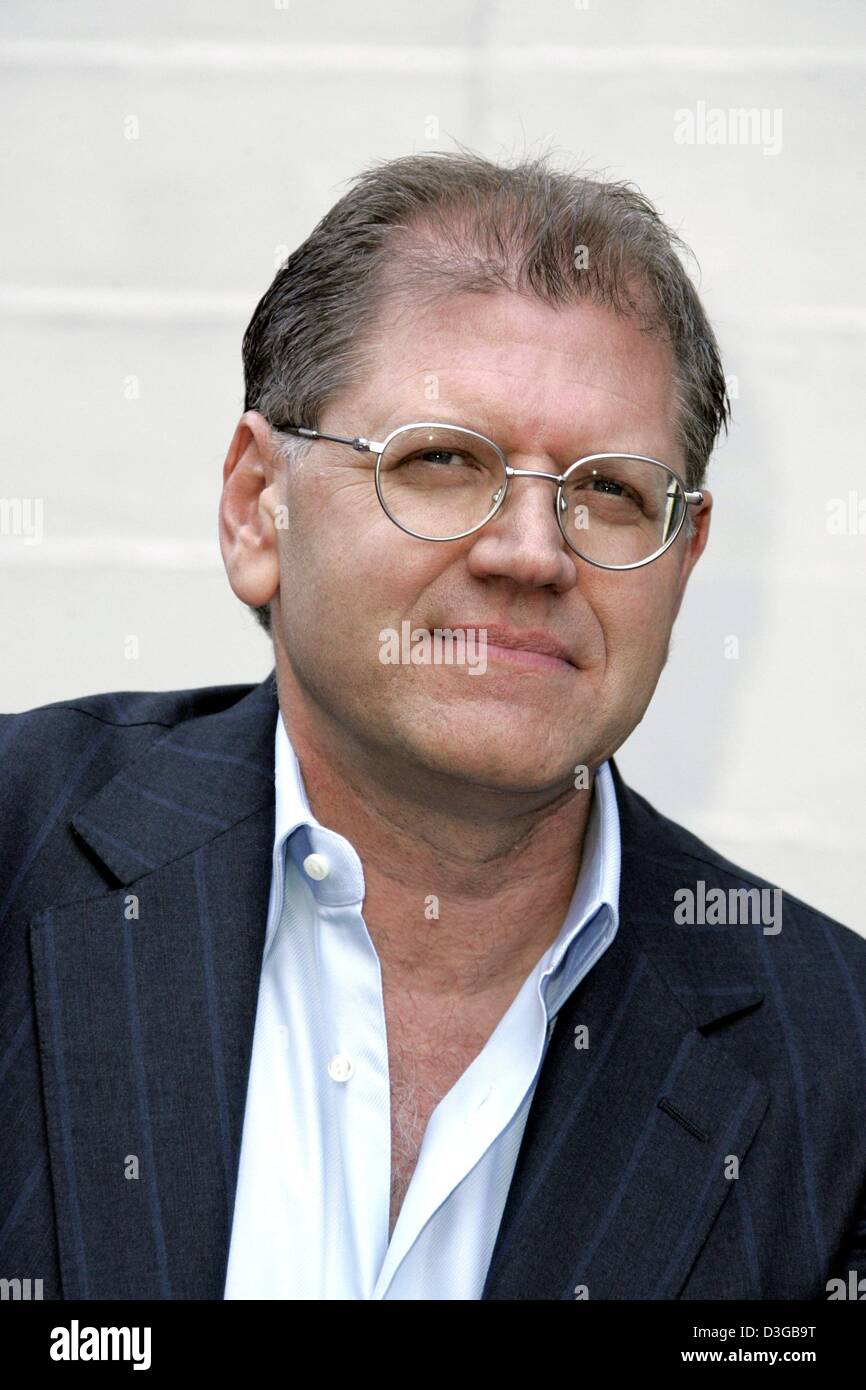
(523, 541)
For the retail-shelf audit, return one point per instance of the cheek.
(634, 615)
(347, 572)
(338, 500)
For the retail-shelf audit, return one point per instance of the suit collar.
(190, 785)
(713, 972)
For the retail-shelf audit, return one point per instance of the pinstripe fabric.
(707, 1143)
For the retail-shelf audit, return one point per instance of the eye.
(438, 460)
(601, 484)
(438, 455)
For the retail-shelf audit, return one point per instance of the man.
(375, 980)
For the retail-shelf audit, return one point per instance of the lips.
(518, 639)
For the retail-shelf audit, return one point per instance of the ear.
(247, 526)
(694, 546)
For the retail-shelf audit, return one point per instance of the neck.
(462, 898)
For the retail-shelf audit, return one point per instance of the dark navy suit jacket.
(709, 1142)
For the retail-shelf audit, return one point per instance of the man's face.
(548, 386)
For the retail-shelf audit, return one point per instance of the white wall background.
(130, 267)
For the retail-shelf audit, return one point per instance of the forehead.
(520, 370)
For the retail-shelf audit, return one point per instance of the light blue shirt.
(312, 1204)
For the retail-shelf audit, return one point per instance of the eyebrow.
(470, 422)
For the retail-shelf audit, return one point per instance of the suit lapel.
(145, 1001)
(622, 1168)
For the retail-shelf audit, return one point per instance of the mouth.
(527, 658)
(529, 648)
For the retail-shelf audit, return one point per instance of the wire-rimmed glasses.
(443, 482)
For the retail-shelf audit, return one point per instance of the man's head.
(549, 312)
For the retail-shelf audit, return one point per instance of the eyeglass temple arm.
(363, 446)
(694, 498)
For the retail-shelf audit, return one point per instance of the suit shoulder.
(125, 708)
(683, 848)
(86, 738)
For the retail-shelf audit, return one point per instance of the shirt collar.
(298, 834)
(594, 901)
(592, 918)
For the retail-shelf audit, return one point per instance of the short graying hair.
(422, 227)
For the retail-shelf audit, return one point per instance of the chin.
(498, 755)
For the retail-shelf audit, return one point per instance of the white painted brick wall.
(145, 258)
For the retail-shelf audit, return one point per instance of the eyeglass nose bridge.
(559, 505)
(510, 472)
(558, 478)
(558, 499)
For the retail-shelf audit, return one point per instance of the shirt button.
(340, 1067)
(316, 866)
